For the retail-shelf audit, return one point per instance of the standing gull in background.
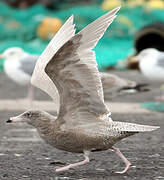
(19, 67)
(114, 85)
(83, 123)
(151, 64)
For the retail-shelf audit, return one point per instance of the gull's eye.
(28, 114)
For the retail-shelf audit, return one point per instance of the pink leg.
(159, 98)
(30, 95)
(118, 152)
(86, 154)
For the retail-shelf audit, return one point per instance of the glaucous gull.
(83, 123)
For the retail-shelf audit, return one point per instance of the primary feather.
(39, 77)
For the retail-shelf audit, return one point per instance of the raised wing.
(110, 81)
(74, 71)
(91, 35)
(39, 77)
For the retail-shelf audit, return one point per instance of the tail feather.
(131, 127)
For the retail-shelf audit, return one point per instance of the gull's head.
(32, 117)
(147, 54)
(13, 53)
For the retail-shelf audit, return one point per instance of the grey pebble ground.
(23, 156)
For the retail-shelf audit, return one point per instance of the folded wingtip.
(71, 17)
(153, 128)
(113, 12)
(117, 9)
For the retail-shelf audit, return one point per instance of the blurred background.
(30, 24)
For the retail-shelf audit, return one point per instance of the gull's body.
(83, 123)
(151, 64)
(114, 85)
(19, 67)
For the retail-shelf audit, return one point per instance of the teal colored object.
(1, 64)
(18, 28)
(155, 106)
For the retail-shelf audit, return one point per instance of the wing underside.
(73, 69)
(39, 77)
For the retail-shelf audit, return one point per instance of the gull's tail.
(122, 129)
(131, 127)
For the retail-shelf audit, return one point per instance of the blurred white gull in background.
(19, 67)
(114, 86)
(151, 64)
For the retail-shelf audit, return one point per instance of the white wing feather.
(91, 34)
(39, 77)
(74, 71)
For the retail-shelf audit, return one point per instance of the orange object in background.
(48, 28)
(110, 4)
(155, 4)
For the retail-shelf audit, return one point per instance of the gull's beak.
(14, 119)
(1, 56)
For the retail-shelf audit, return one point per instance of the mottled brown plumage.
(83, 123)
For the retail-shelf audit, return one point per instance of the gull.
(83, 123)
(19, 67)
(114, 85)
(151, 64)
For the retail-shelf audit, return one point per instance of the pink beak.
(1, 56)
(14, 119)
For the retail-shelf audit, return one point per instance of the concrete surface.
(115, 107)
(23, 156)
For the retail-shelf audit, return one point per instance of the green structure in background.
(18, 28)
(154, 106)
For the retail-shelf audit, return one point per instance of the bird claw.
(159, 98)
(125, 170)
